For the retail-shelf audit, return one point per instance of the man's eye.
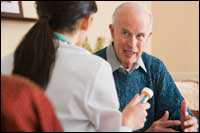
(140, 37)
(125, 33)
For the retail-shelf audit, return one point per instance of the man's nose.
(133, 42)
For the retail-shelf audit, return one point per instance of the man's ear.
(148, 37)
(111, 30)
(150, 34)
(85, 23)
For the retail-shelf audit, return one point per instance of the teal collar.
(61, 37)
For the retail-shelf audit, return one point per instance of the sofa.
(190, 91)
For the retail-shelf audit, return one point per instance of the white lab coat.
(82, 91)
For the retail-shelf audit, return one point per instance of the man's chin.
(130, 63)
(133, 60)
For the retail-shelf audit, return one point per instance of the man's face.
(129, 34)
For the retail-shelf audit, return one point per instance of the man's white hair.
(138, 7)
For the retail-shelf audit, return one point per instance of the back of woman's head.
(64, 15)
(36, 54)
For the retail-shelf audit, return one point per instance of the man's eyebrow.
(126, 29)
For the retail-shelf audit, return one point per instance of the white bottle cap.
(148, 91)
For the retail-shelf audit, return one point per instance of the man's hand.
(188, 123)
(163, 124)
(134, 114)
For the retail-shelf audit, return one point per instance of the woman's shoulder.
(79, 56)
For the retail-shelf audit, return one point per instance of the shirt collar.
(115, 64)
(62, 38)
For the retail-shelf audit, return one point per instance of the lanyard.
(61, 37)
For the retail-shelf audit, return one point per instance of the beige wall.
(176, 36)
(11, 34)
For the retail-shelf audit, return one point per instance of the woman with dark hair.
(80, 85)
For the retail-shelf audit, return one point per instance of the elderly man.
(134, 69)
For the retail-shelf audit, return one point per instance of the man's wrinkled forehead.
(129, 12)
(132, 24)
